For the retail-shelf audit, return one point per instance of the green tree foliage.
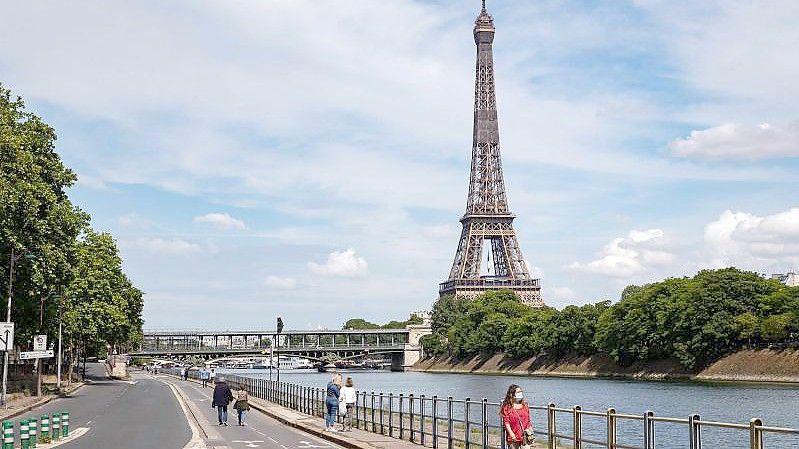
(79, 279)
(694, 320)
(36, 217)
(360, 323)
(102, 305)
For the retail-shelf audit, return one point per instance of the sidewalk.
(356, 439)
(18, 405)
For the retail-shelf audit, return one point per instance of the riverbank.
(763, 365)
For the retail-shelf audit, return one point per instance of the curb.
(44, 401)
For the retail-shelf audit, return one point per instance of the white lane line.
(273, 440)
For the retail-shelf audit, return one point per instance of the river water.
(777, 405)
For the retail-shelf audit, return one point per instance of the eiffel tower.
(487, 217)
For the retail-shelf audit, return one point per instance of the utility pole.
(277, 344)
(8, 320)
(58, 362)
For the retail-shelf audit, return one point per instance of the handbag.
(342, 408)
(528, 437)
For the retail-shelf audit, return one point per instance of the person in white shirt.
(348, 399)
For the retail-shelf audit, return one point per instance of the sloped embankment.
(749, 365)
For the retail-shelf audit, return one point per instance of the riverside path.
(159, 411)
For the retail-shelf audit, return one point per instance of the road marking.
(74, 434)
(248, 443)
(309, 445)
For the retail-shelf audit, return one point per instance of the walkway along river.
(775, 404)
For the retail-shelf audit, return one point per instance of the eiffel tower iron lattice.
(487, 217)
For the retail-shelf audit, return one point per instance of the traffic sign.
(26, 355)
(6, 336)
(40, 342)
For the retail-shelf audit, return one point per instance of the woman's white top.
(348, 395)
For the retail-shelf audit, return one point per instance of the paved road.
(121, 415)
(260, 432)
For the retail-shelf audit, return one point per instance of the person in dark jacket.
(222, 397)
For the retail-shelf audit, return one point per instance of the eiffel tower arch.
(488, 220)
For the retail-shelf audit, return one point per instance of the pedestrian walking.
(183, 373)
(212, 376)
(204, 376)
(348, 398)
(222, 397)
(331, 402)
(516, 419)
(242, 404)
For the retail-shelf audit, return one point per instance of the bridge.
(401, 344)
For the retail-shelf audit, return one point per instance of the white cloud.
(734, 141)
(221, 221)
(281, 283)
(171, 247)
(341, 263)
(748, 240)
(563, 293)
(626, 257)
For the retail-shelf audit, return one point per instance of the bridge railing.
(468, 423)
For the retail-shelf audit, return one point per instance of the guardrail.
(439, 422)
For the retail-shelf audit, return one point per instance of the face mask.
(519, 396)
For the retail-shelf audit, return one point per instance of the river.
(777, 405)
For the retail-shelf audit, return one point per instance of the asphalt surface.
(142, 413)
(260, 431)
(146, 413)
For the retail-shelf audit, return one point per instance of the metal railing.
(439, 422)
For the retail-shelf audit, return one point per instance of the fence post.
(56, 425)
(65, 424)
(578, 427)
(551, 426)
(410, 415)
(401, 419)
(24, 437)
(611, 428)
(434, 413)
(449, 422)
(32, 431)
(421, 420)
(755, 434)
(391, 414)
(467, 423)
(365, 411)
(649, 430)
(44, 429)
(372, 402)
(484, 419)
(380, 403)
(8, 434)
(694, 437)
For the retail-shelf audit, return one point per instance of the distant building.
(790, 278)
(423, 314)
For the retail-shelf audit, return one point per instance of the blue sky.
(310, 158)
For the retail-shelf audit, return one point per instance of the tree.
(748, 326)
(102, 305)
(36, 216)
(776, 328)
(359, 323)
